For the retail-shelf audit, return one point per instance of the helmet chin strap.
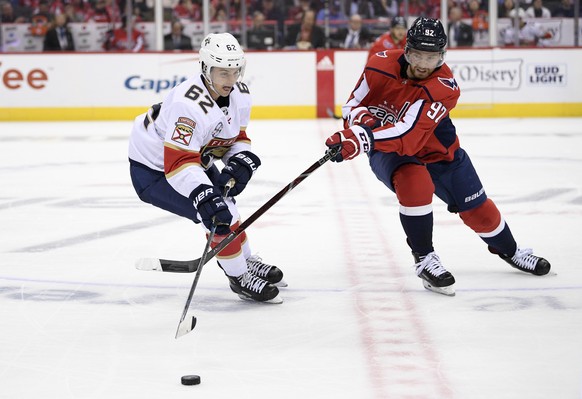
(211, 86)
(209, 82)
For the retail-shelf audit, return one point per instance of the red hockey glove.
(351, 142)
(364, 118)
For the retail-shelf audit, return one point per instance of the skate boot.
(526, 261)
(271, 273)
(251, 287)
(434, 276)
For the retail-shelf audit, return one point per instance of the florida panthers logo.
(183, 130)
(451, 83)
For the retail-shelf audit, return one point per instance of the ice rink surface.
(79, 321)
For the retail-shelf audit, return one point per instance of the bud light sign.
(546, 74)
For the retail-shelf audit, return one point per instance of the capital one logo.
(14, 78)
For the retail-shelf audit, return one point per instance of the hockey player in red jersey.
(174, 150)
(394, 39)
(398, 114)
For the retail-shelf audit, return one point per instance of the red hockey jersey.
(414, 114)
(385, 42)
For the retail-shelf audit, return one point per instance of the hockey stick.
(332, 114)
(184, 327)
(190, 266)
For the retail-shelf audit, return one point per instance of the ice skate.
(251, 287)
(434, 276)
(271, 273)
(526, 261)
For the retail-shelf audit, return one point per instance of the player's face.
(223, 79)
(422, 63)
(398, 33)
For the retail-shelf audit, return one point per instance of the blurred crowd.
(274, 24)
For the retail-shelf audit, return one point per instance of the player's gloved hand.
(240, 167)
(350, 142)
(365, 118)
(212, 208)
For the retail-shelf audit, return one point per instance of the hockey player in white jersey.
(173, 151)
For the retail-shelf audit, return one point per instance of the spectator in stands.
(537, 10)
(479, 18)
(117, 40)
(505, 8)
(305, 35)
(415, 7)
(99, 13)
(113, 9)
(220, 14)
(177, 40)
(335, 12)
(260, 36)
(7, 14)
(365, 8)
(76, 11)
(235, 10)
(395, 38)
(460, 34)
(296, 13)
(59, 37)
(273, 12)
(137, 15)
(564, 9)
(355, 36)
(145, 9)
(528, 34)
(40, 19)
(187, 10)
(56, 7)
(387, 8)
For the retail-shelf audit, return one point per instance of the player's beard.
(418, 73)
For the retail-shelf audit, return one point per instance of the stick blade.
(165, 265)
(148, 264)
(185, 326)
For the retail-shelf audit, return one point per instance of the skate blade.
(281, 283)
(448, 291)
(277, 300)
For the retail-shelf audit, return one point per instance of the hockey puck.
(190, 379)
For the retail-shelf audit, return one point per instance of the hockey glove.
(240, 167)
(212, 208)
(364, 118)
(351, 142)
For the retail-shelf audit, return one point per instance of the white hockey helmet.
(221, 50)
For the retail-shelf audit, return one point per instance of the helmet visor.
(424, 59)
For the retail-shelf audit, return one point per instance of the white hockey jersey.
(188, 131)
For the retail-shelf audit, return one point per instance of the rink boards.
(284, 84)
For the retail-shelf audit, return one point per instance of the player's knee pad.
(483, 219)
(413, 185)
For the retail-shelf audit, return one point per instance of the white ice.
(79, 321)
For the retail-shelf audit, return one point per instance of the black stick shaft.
(259, 212)
(181, 330)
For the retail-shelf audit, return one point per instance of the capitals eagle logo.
(451, 83)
